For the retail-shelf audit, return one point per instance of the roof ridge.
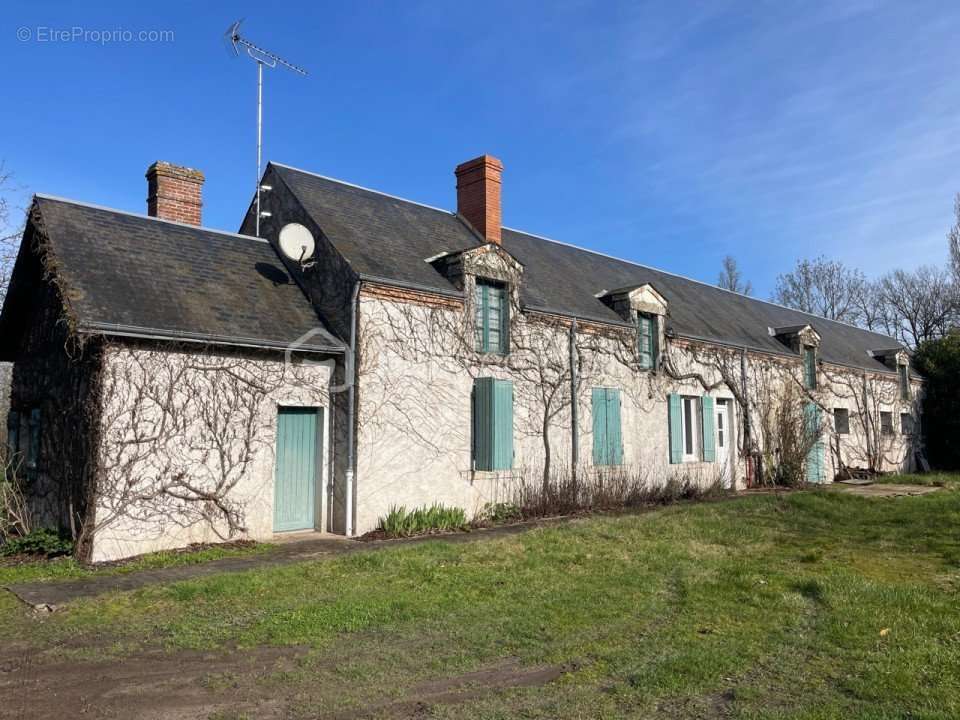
(94, 206)
(362, 187)
(698, 282)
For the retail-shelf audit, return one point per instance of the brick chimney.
(173, 192)
(478, 195)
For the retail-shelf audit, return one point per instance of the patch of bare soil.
(187, 685)
(153, 685)
(460, 689)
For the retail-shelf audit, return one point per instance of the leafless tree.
(953, 237)
(731, 278)
(823, 287)
(10, 231)
(920, 305)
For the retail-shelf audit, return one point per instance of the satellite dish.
(296, 242)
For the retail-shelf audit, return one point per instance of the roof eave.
(130, 331)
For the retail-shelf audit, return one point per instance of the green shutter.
(707, 420)
(483, 423)
(599, 427)
(492, 424)
(607, 435)
(654, 343)
(479, 314)
(503, 425)
(810, 366)
(676, 431)
(614, 435)
(815, 457)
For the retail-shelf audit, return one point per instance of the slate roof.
(388, 238)
(140, 276)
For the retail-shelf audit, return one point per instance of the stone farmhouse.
(176, 384)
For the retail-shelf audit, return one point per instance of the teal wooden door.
(296, 471)
(815, 457)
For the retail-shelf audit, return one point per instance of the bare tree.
(921, 305)
(953, 237)
(730, 277)
(823, 287)
(874, 313)
(9, 233)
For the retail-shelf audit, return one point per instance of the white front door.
(724, 439)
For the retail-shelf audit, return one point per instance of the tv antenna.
(262, 58)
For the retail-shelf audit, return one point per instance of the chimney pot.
(174, 193)
(478, 195)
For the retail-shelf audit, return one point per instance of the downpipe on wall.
(574, 380)
(351, 371)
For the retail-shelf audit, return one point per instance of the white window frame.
(696, 427)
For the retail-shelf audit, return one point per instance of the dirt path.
(187, 685)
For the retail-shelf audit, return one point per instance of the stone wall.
(418, 365)
(187, 446)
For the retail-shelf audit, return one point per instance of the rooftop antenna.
(262, 58)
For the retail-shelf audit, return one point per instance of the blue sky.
(669, 133)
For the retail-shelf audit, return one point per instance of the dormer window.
(810, 367)
(648, 336)
(492, 317)
(904, 376)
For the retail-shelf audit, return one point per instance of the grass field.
(807, 605)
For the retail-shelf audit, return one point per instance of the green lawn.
(807, 605)
(66, 568)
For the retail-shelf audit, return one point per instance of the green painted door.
(297, 466)
(816, 469)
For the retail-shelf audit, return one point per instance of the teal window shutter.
(503, 425)
(815, 456)
(492, 317)
(607, 434)
(676, 428)
(478, 297)
(643, 335)
(810, 367)
(647, 332)
(707, 419)
(492, 424)
(600, 427)
(614, 434)
(654, 342)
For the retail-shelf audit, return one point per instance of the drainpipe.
(350, 371)
(745, 412)
(574, 381)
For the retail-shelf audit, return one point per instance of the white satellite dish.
(296, 242)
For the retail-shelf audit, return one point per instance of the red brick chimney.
(478, 195)
(173, 192)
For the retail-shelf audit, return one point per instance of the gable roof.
(387, 238)
(139, 276)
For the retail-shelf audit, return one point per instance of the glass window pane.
(493, 318)
(688, 425)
